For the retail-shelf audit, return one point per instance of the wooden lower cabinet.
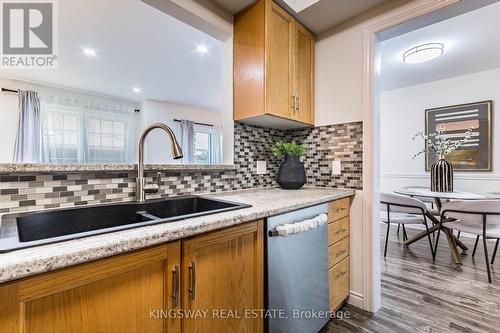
(338, 252)
(223, 275)
(116, 294)
(220, 274)
(339, 283)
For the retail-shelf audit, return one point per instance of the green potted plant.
(291, 174)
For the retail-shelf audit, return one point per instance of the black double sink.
(31, 229)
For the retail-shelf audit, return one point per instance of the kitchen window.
(82, 135)
(202, 147)
(60, 141)
(106, 140)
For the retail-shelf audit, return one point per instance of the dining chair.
(479, 236)
(426, 200)
(401, 209)
(477, 217)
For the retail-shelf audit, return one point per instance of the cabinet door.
(304, 77)
(279, 74)
(223, 277)
(117, 294)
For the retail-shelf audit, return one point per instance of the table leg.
(452, 241)
(453, 245)
(422, 234)
(433, 228)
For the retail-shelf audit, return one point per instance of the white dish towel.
(303, 226)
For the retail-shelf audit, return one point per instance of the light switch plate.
(336, 168)
(261, 167)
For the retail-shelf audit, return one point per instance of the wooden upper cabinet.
(273, 66)
(117, 294)
(304, 75)
(279, 62)
(223, 275)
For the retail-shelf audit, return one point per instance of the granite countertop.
(265, 203)
(13, 168)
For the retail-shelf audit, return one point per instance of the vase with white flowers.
(442, 144)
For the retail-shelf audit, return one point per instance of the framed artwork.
(455, 120)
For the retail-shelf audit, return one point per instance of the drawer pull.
(175, 286)
(341, 231)
(340, 253)
(340, 210)
(192, 280)
(340, 274)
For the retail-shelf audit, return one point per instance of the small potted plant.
(441, 145)
(291, 174)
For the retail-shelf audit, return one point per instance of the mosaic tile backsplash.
(340, 142)
(28, 192)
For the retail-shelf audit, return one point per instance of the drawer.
(338, 230)
(338, 209)
(339, 276)
(338, 251)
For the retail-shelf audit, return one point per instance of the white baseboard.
(356, 299)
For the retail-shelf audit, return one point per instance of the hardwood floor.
(421, 296)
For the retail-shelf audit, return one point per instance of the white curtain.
(187, 141)
(28, 145)
(86, 130)
(216, 150)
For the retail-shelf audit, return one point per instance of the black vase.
(442, 176)
(291, 174)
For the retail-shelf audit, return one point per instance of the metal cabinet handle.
(192, 281)
(298, 104)
(341, 252)
(340, 210)
(341, 231)
(293, 104)
(340, 274)
(175, 286)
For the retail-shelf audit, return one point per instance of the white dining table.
(438, 197)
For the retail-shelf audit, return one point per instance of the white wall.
(339, 78)
(9, 115)
(338, 85)
(158, 145)
(402, 115)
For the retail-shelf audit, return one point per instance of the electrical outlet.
(261, 167)
(336, 168)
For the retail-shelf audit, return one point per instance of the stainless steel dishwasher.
(297, 274)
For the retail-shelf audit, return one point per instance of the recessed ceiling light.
(423, 53)
(136, 90)
(89, 52)
(202, 49)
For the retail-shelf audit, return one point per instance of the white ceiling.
(317, 15)
(136, 45)
(322, 15)
(472, 44)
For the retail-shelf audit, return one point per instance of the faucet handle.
(153, 187)
(158, 179)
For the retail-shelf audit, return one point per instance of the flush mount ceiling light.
(136, 90)
(89, 52)
(203, 49)
(423, 53)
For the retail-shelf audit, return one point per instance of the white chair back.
(401, 204)
(474, 209)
